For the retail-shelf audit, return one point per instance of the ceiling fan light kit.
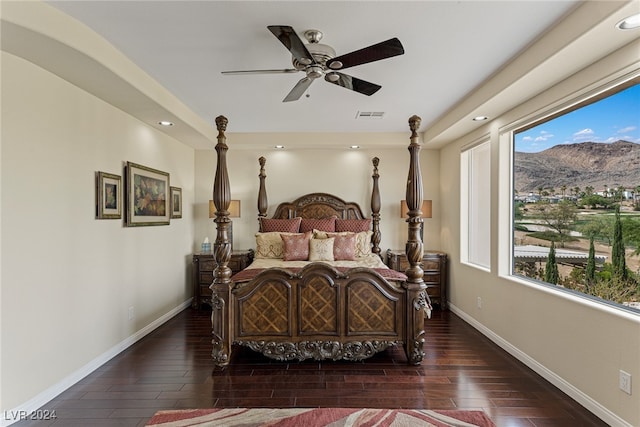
(319, 60)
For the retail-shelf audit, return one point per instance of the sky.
(608, 120)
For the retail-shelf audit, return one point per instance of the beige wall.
(68, 279)
(577, 345)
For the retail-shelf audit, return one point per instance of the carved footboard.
(318, 313)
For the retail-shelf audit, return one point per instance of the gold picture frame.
(108, 196)
(176, 202)
(148, 196)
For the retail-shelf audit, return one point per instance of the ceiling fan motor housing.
(321, 53)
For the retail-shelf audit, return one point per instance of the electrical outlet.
(131, 313)
(479, 302)
(625, 382)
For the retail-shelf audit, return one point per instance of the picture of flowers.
(148, 197)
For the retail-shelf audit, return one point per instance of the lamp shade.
(426, 209)
(234, 209)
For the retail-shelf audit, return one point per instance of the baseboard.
(20, 413)
(595, 407)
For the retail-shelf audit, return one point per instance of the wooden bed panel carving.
(372, 311)
(319, 206)
(265, 309)
(319, 303)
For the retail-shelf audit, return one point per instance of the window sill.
(579, 298)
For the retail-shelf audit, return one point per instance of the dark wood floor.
(172, 368)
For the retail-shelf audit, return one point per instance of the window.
(576, 201)
(475, 205)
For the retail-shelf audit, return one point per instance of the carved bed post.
(262, 193)
(416, 289)
(221, 286)
(375, 208)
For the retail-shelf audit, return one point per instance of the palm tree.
(563, 188)
(576, 191)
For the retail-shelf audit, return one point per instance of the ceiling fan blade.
(240, 72)
(292, 42)
(298, 90)
(376, 52)
(353, 83)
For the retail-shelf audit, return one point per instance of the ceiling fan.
(319, 60)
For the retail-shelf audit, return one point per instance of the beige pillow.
(321, 249)
(270, 245)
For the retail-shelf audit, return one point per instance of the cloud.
(585, 135)
(627, 129)
(584, 132)
(544, 136)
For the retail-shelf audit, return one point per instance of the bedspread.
(371, 261)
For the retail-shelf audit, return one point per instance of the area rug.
(319, 417)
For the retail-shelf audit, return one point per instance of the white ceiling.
(451, 49)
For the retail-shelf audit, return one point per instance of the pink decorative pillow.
(353, 225)
(325, 224)
(296, 246)
(344, 247)
(280, 225)
(363, 240)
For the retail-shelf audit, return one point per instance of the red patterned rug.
(317, 417)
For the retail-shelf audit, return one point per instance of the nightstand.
(203, 265)
(434, 265)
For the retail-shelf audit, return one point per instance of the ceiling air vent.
(370, 114)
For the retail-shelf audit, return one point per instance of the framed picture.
(176, 202)
(108, 196)
(148, 196)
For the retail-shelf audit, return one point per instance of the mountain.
(583, 164)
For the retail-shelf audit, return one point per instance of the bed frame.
(319, 311)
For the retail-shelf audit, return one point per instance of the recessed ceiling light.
(165, 123)
(480, 118)
(629, 23)
(279, 146)
(355, 147)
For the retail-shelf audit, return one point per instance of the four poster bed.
(317, 287)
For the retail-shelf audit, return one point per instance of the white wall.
(68, 279)
(345, 173)
(579, 346)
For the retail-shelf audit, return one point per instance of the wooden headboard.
(319, 206)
